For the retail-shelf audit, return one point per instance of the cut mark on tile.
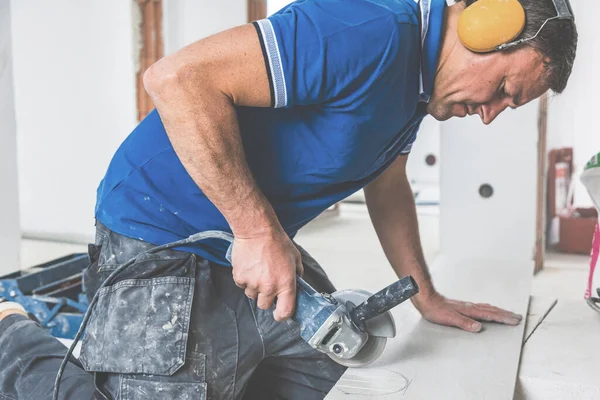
(377, 382)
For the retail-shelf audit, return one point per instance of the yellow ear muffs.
(487, 24)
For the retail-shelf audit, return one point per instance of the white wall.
(75, 99)
(503, 155)
(427, 143)
(275, 5)
(9, 205)
(74, 77)
(186, 21)
(573, 117)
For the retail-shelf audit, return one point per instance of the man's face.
(486, 84)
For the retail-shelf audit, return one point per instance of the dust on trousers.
(172, 326)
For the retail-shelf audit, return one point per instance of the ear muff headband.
(492, 25)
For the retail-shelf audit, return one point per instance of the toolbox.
(52, 293)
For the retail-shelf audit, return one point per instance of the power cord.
(191, 239)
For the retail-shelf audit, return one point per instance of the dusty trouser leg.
(29, 361)
(172, 326)
(294, 372)
(292, 369)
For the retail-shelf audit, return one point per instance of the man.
(256, 131)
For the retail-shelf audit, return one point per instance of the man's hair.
(557, 41)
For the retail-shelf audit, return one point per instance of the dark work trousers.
(171, 326)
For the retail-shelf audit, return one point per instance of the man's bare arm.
(195, 91)
(392, 209)
(391, 205)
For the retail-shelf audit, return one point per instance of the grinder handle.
(384, 300)
(309, 304)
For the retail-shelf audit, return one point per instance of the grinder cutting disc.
(378, 328)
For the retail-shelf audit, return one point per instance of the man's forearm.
(200, 119)
(206, 137)
(392, 209)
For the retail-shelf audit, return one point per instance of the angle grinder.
(350, 326)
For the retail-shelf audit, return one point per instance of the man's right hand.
(266, 267)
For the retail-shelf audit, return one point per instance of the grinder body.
(325, 323)
(351, 326)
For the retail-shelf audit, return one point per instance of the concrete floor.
(564, 276)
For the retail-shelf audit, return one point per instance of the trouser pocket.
(140, 326)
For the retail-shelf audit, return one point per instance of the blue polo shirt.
(349, 82)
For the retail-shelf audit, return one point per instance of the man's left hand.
(440, 310)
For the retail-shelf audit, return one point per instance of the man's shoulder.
(362, 25)
(331, 49)
(396, 7)
(354, 13)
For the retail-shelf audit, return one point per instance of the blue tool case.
(52, 293)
